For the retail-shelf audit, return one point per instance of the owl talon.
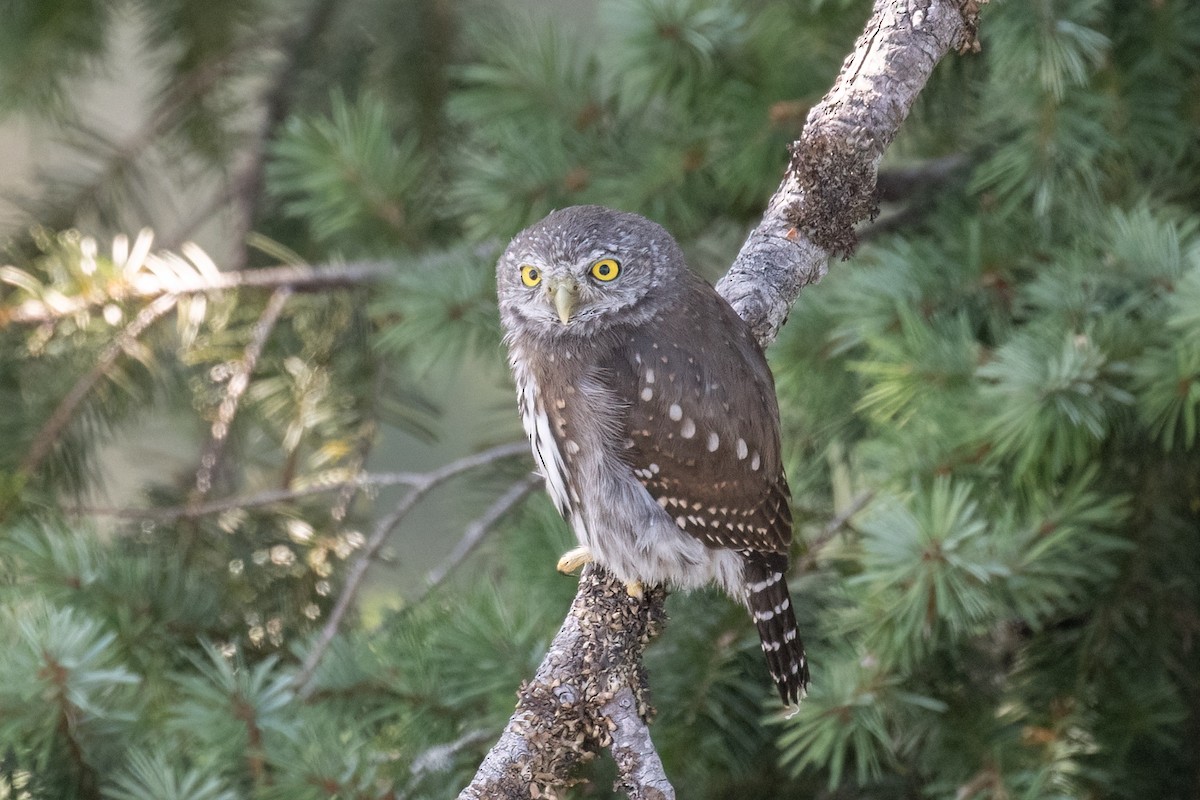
(574, 559)
(634, 589)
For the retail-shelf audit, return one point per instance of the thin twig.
(266, 498)
(832, 528)
(211, 456)
(358, 570)
(50, 432)
(474, 533)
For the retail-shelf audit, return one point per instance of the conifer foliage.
(991, 412)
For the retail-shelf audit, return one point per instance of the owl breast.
(577, 428)
(538, 427)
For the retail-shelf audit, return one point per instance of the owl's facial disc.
(563, 292)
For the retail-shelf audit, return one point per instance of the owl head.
(587, 270)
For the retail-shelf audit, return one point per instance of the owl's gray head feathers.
(562, 249)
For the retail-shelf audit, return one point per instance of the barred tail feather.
(770, 604)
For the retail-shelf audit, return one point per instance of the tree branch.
(297, 47)
(832, 529)
(146, 285)
(257, 500)
(50, 432)
(480, 527)
(588, 693)
(828, 187)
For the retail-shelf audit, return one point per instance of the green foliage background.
(998, 395)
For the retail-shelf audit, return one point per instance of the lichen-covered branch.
(828, 188)
(588, 694)
(829, 184)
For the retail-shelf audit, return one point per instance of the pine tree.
(990, 411)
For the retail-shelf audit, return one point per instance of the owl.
(651, 412)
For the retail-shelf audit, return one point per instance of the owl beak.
(563, 293)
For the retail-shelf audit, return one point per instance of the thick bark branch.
(829, 186)
(588, 694)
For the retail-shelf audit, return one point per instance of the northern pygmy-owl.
(652, 413)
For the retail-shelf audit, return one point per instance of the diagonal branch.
(828, 187)
(832, 528)
(829, 184)
(358, 570)
(479, 528)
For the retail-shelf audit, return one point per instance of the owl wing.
(702, 425)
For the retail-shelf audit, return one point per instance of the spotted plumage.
(651, 412)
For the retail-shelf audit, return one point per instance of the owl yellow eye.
(606, 269)
(530, 276)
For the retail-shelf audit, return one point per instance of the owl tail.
(770, 604)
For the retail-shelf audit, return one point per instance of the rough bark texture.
(829, 185)
(589, 692)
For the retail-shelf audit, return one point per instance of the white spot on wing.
(675, 412)
(742, 449)
(689, 428)
(714, 442)
(647, 394)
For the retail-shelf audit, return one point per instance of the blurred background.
(266, 522)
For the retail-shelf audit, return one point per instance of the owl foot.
(634, 589)
(574, 559)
